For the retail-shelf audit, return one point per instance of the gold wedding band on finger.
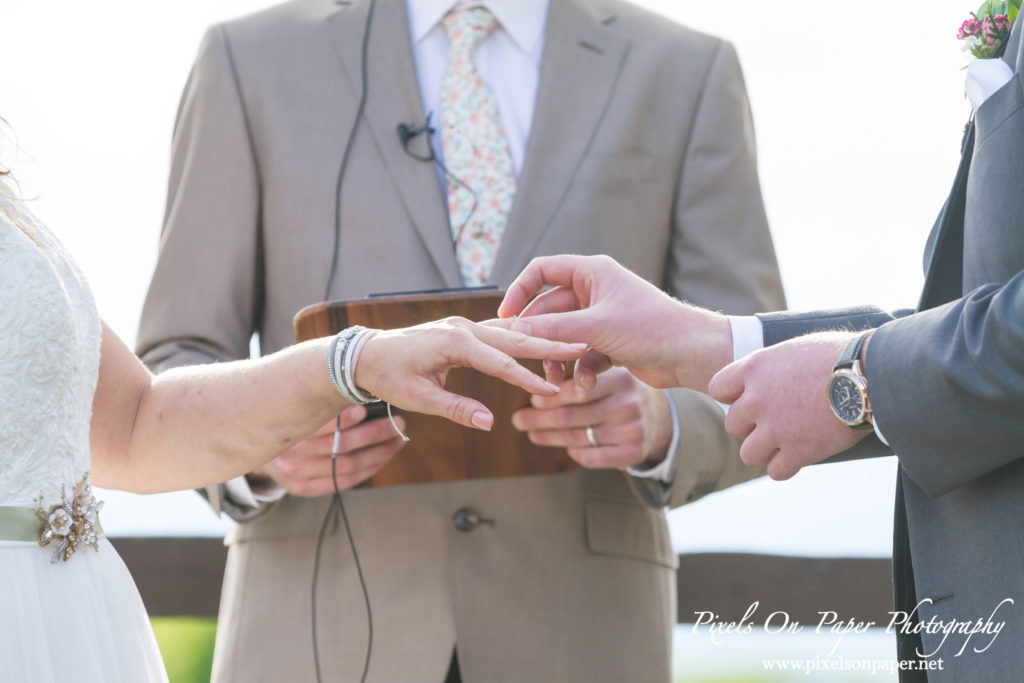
(591, 439)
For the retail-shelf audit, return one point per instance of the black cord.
(348, 150)
(405, 135)
(337, 505)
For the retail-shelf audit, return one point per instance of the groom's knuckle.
(733, 420)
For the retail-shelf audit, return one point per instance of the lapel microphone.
(407, 132)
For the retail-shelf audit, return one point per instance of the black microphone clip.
(406, 134)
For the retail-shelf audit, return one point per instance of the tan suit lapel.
(580, 64)
(393, 99)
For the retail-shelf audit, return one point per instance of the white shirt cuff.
(242, 494)
(878, 431)
(747, 335)
(663, 470)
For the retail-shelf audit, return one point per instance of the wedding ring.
(591, 438)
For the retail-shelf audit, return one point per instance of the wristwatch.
(848, 388)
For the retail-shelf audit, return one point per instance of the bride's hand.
(408, 367)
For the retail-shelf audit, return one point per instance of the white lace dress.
(80, 619)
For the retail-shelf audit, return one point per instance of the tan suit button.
(467, 519)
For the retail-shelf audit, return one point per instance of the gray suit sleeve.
(206, 289)
(721, 258)
(947, 385)
(783, 325)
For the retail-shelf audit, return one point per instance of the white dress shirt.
(508, 60)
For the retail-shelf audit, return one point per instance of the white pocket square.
(984, 77)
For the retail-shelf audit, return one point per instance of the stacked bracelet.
(342, 357)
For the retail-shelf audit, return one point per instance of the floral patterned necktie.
(480, 180)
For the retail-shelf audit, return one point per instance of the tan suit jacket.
(641, 147)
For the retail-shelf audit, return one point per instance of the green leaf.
(991, 8)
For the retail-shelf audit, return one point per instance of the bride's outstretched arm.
(191, 427)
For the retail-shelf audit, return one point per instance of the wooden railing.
(182, 576)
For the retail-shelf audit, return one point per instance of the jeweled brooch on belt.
(72, 523)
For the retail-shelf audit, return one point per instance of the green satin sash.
(22, 524)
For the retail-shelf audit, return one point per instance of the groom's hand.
(632, 323)
(630, 421)
(365, 448)
(779, 404)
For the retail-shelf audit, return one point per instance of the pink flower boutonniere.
(987, 27)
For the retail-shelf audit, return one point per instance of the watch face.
(846, 398)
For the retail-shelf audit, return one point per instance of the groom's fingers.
(551, 271)
(589, 367)
(728, 383)
(557, 300)
(574, 326)
(758, 449)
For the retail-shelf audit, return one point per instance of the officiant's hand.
(365, 448)
(630, 422)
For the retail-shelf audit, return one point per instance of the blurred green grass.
(186, 644)
(187, 647)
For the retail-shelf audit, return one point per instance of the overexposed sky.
(858, 108)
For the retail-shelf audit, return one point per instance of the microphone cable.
(337, 506)
(405, 135)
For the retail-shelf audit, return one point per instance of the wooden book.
(440, 450)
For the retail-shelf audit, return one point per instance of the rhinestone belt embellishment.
(71, 523)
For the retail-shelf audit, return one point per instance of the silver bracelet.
(342, 356)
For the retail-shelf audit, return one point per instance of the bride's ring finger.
(591, 439)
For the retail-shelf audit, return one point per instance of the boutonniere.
(987, 27)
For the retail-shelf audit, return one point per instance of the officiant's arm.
(194, 426)
(721, 258)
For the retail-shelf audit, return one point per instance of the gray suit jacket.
(947, 387)
(641, 147)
